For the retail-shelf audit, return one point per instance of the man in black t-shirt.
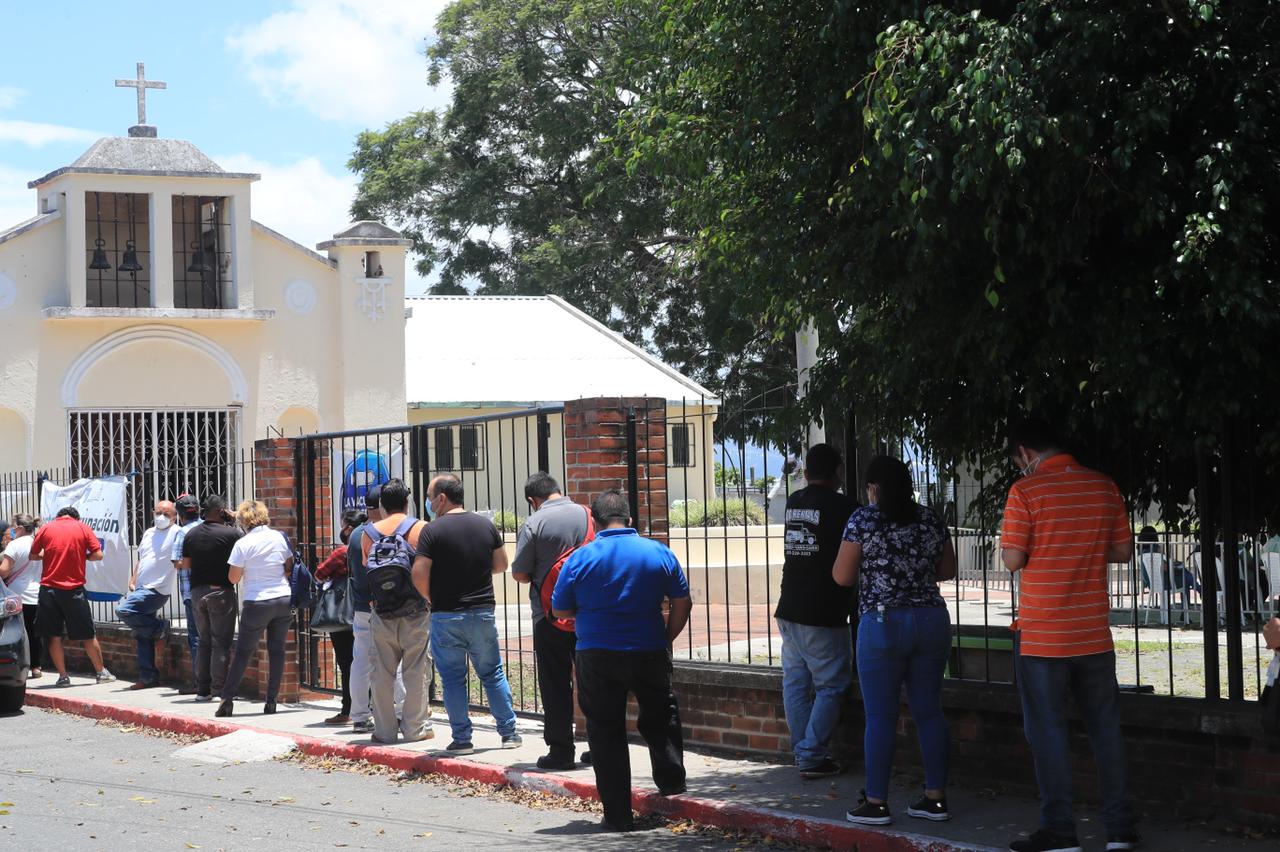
(205, 551)
(458, 554)
(813, 612)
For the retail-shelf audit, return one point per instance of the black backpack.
(390, 571)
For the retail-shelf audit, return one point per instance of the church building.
(148, 323)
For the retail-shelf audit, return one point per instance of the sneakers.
(869, 813)
(364, 726)
(826, 768)
(62, 680)
(457, 748)
(512, 741)
(1046, 841)
(1123, 842)
(203, 699)
(34, 673)
(931, 809)
(427, 732)
(105, 676)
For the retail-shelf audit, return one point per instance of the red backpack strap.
(591, 528)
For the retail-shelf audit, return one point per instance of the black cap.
(372, 497)
(187, 505)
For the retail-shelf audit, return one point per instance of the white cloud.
(303, 200)
(10, 95)
(35, 134)
(347, 60)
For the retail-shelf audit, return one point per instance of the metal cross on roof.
(141, 84)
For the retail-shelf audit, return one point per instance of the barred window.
(681, 454)
(469, 446)
(444, 448)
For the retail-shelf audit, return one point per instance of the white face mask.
(162, 522)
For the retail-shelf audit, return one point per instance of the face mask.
(431, 513)
(162, 522)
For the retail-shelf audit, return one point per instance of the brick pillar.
(274, 474)
(274, 483)
(595, 438)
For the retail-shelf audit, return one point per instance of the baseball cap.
(372, 497)
(187, 505)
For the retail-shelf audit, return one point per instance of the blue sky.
(278, 88)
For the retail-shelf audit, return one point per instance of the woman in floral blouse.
(897, 551)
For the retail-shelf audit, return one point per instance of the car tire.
(12, 698)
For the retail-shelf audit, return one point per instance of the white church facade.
(148, 322)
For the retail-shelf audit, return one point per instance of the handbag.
(334, 609)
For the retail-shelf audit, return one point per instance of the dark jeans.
(273, 616)
(553, 649)
(1045, 685)
(344, 645)
(34, 640)
(604, 679)
(215, 608)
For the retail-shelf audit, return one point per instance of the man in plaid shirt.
(188, 508)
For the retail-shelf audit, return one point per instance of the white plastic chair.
(1160, 596)
(1271, 562)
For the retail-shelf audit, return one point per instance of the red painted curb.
(778, 824)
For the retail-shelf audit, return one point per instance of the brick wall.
(120, 655)
(595, 445)
(1193, 758)
(273, 482)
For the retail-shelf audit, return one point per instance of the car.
(15, 652)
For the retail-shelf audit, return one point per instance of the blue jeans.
(895, 647)
(1046, 684)
(193, 635)
(471, 633)
(817, 668)
(138, 611)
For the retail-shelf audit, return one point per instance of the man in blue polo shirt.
(614, 588)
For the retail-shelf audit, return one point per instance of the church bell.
(198, 263)
(99, 260)
(130, 261)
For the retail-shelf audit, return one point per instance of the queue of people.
(1063, 525)
(607, 605)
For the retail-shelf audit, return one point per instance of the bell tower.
(371, 261)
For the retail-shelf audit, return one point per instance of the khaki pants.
(401, 642)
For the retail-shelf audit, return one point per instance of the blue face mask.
(431, 513)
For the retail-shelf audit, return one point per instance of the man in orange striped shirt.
(1063, 525)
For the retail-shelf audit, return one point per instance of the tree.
(519, 187)
(1070, 207)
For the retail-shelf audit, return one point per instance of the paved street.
(67, 783)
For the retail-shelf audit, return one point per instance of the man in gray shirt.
(555, 525)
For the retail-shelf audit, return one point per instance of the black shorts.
(67, 608)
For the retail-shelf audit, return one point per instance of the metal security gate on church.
(492, 455)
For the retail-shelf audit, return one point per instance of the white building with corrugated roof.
(470, 356)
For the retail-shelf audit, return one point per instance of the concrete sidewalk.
(726, 793)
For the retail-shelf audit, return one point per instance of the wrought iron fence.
(492, 455)
(230, 476)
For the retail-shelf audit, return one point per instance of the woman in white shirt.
(260, 562)
(22, 575)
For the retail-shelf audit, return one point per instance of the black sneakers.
(869, 813)
(932, 809)
(1046, 841)
(1123, 842)
(827, 768)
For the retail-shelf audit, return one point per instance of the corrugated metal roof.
(526, 349)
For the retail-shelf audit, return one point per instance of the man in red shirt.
(65, 545)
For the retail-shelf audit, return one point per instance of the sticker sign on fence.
(102, 505)
(355, 471)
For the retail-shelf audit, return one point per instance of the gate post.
(276, 483)
(596, 437)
